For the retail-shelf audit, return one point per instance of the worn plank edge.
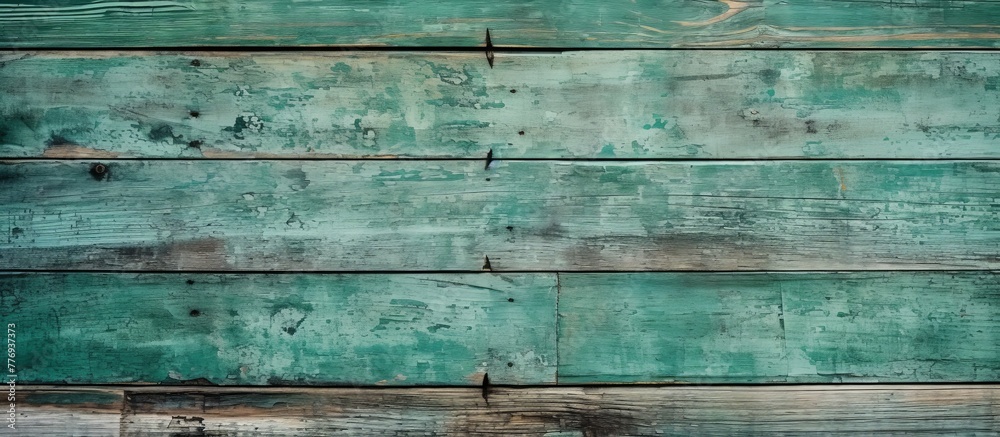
(120, 410)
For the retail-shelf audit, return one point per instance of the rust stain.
(840, 177)
(75, 151)
(735, 7)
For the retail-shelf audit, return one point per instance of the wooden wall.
(250, 217)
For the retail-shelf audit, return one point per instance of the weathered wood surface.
(564, 23)
(523, 215)
(64, 411)
(881, 23)
(609, 105)
(593, 411)
(787, 327)
(451, 329)
(282, 329)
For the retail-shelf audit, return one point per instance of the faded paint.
(563, 215)
(779, 327)
(281, 329)
(627, 104)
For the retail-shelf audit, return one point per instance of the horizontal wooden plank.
(164, 23)
(881, 23)
(595, 411)
(282, 329)
(609, 105)
(522, 215)
(451, 329)
(779, 327)
(564, 23)
(84, 411)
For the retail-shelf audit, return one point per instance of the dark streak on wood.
(489, 49)
(486, 388)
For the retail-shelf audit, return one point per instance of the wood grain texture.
(779, 327)
(163, 23)
(523, 215)
(282, 329)
(67, 411)
(593, 411)
(451, 329)
(881, 23)
(563, 23)
(609, 105)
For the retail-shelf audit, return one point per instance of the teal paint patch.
(608, 151)
(419, 175)
(778, 327)
(658, 124)
(281, 329)
(466, 103)
(769, 76)
(341, 67)
(244, 125)
(814, 148)
(669, 327)
(992, 83)
(408, 303)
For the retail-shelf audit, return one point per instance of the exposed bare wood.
(592, 411)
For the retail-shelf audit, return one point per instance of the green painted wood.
(923, 327)
(779, 327)
(611, 105)
(628, 328)
(282, 329)
(523, 215)
(881, 23)
(970, 409)
(164, 23)
(565, 23)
